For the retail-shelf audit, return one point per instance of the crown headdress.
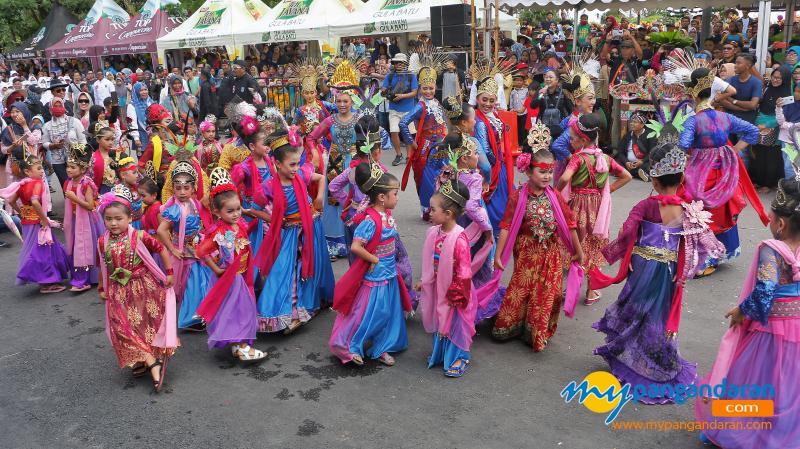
(539, 137)
(123, 192)
(150, 171)
(672, 163)
(184, 168)
(375, 175)
(79, 155)
(484, 75)
(454, 108)
(220, 181)
(585, 68)
(345, 75)
(309, 73)
(432, 63)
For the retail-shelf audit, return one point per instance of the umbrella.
(9, 221)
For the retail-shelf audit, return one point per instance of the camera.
(616, 35)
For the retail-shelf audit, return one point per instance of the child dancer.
(587, 175)
(209, 148)
(229, 308)
(762, 346)
(140, 301)
(447, 300)
(249, 175)
(82, 223)
(659, 237)
(180, 230)
(148, 189)
(128, 174)
(293, 258)
(369, 300)
(104, 160)
(425, 155)
(537, 224)
(42, 259)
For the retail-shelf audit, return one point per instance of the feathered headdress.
(484, 74)
(585, 68)
(238, 108)
(679, 66)
(309, 72)
(432, 63)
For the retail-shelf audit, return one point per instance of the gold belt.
(655, 253)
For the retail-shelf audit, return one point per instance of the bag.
(551, 117)
(768, 136)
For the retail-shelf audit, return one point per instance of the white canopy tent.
(404, 16)
(215, 24)
(298, 20)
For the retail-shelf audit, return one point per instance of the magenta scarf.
(81, 249)
(575, 276)
(167, 335)
(455, 323)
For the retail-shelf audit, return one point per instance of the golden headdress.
(309, 72)
(484, 74)
(79, 154)
(539, 137)
(585, 68)
(345, 75)
(375, 175)
(432, 63)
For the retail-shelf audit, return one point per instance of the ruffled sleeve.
(365, 231)
(686, 139)
(337, 187)
(172, 214)
(459, 291)
(474, 210)
(758, 305)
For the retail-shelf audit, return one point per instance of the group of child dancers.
(242, 249)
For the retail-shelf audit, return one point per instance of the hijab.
(141, 110)
(772, 93)
(5, 136)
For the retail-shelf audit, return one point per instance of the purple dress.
(636, 347)
(39, 264)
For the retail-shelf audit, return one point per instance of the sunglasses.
(83, 101)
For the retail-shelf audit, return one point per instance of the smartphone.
(114, 98)
(787, 100)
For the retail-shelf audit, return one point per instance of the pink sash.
(167, 335)
(437, 314)
(81, 249)
(45, 236)
(604, 213)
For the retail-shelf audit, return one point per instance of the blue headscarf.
(141, 111)
(12, 125)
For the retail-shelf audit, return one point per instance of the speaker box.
(451, 36)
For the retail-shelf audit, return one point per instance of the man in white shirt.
(103, 88)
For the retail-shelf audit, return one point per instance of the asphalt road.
(61, 387)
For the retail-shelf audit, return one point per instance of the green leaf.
(376, 99)
(791, 151)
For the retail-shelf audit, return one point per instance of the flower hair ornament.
(220, 181)
(208, 123)
(249, 125)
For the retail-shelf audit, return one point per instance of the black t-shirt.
(624, 71)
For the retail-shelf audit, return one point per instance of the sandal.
(457, 371)
(139, 370)
(55, 288)
(292, 327)
(707, 272)
(243, 354)
(355, 358)
(80, 289)
(386, 359)
(156, 383)
(589, 301)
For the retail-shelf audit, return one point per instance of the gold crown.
(450, 192)
(122, 191)
(703, 83)
(345, 75)
(432, 63)
(539, 137)
(484, 75)
(79, 155)
(279, 141)
(427, 76)
(218, 177)
(454, 108)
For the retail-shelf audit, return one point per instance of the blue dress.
(196, 283)
(496, 205)
(377, 313)
(285, 296)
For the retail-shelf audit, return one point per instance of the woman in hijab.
(82, 106)
(57, 136)
(137, 115)
(177, 100)
(766, 164)
(19, 132)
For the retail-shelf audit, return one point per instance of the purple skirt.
(236, 320)
(41, 264)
